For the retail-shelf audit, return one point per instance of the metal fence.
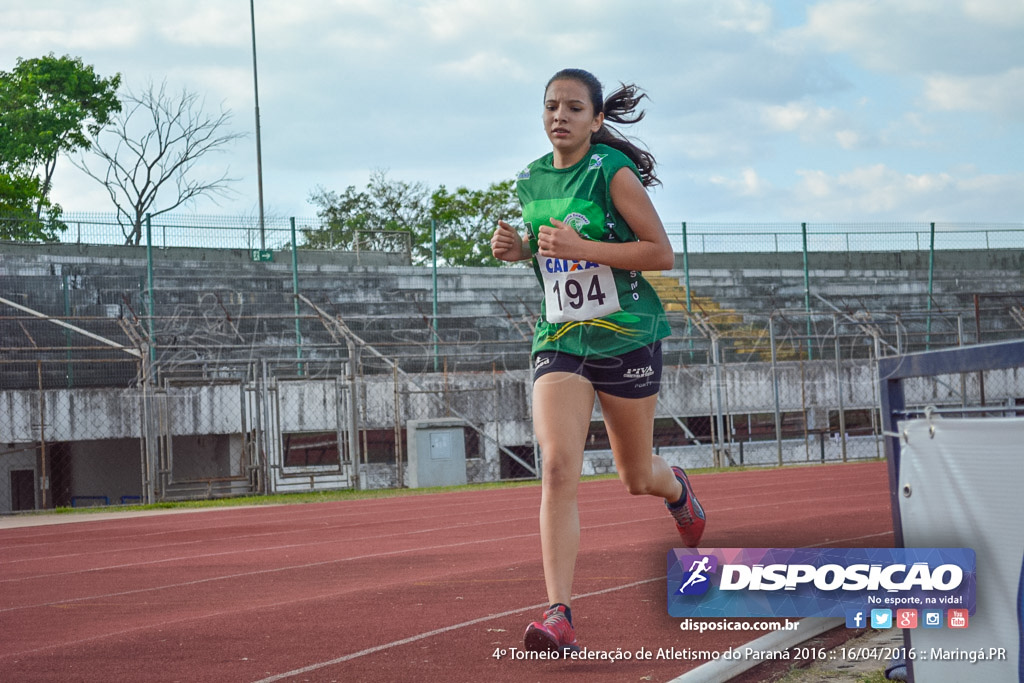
(275, 425)
(694, 237)
(126, 378)
(704, 237)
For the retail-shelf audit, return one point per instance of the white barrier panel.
(961, 484)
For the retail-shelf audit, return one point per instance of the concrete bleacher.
(984, 287)
(219, 303)
(238, 310)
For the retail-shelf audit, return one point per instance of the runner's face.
(569, 118)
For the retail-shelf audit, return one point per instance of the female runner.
(590, 230)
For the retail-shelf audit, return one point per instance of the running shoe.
(689, 516)
(552, 633)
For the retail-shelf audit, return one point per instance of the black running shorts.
(635, 374)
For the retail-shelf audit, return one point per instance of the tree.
(48, 106)
(463, 219)
(155, 144)
(21, 203)
(369, 219)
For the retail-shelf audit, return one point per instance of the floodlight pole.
(259, 154)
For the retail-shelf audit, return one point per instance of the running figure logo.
(696, 581)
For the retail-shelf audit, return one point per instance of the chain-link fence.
(133, 375)
(275, 426)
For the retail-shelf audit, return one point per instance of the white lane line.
(439, 631)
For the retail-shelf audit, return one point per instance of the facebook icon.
(855, 619)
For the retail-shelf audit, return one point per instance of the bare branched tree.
(155, 144)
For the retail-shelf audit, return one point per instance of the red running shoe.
(689, 516)
(553, 633)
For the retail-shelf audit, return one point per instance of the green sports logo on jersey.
(576, 221)
(596, 161)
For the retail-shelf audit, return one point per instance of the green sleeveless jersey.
(589, 309)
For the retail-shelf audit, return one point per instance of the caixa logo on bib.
(819, 582)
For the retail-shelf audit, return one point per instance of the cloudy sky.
(815, 110)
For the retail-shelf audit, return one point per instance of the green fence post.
(689, 308)
(149, 286)
(807, 294)
(931, 280)
(65, 285)
(433, 279)
(295, 292)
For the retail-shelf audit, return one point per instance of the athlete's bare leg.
(630, 425)
(562, 407)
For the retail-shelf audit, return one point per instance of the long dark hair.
(619, 107)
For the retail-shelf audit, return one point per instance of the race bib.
(577, 290)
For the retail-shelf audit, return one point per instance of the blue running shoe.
(689, 516)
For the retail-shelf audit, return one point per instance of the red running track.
(416, 588)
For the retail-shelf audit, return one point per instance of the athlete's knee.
(637, 483)
(559, 473)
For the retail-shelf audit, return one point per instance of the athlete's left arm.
(651, 251)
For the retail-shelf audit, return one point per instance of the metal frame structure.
(894, 370)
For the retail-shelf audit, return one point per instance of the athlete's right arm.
(508, 245)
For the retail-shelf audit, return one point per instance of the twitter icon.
(881, 618)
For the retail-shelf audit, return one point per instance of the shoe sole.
(537, 640)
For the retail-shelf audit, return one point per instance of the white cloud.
(32, 32)
(748, 16)
(482, 66)
(870, 190)
(749, 184)
(800, 116)
(207, 25)
(848, 139)
(814, 124)
(920, 36)
(1000, 93)
(995, 13)
(878, 192)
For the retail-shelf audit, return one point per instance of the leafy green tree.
(465, 220)
(381, 216)
(20, 202)
(48, 106)
(375, 219)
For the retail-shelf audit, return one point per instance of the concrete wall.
(106, 468)
(101, 428)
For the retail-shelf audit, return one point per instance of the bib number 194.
(579, 295)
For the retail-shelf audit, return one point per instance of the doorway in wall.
(23, 490)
